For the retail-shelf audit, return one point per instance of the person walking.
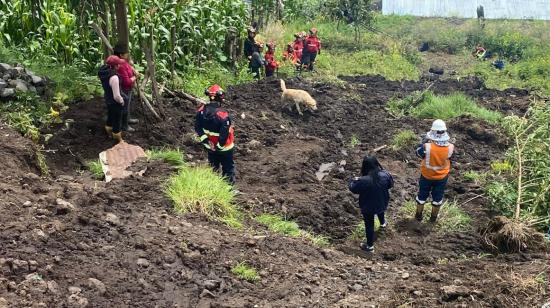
(312, 47)
(373, 189)
(250, 46)
(214, 127)
(128, 77)
(436, 152)
(113, 96)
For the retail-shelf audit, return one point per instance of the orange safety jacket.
(436, 164)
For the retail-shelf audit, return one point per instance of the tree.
(356, 13)
(122, 22)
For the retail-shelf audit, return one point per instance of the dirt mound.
(121, 245)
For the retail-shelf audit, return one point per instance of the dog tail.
(283, 85)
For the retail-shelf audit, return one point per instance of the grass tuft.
(404, 139)
(451, 218)
(245, 272)
(278, 224)
(172, 157)
(200, 190)
(96, 169)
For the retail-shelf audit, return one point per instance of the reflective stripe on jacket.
(436, 164)
(214, 124)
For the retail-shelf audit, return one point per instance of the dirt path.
(125, 235)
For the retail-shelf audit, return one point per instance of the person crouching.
(373, 188)
(271, 65)
(215, 130)
(113, 96)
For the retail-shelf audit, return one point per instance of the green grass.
(404, 139)
(200, 190)
(172, 157)
(501, 166)
(278, 224)
(445, 107)
(42, 163)
(358, 232)
(354, 141)
(451, 218)
(245, 272)
(475, 177)
(96, 169)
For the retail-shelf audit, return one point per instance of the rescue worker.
(215, 130)
(271, 64)
(113, 95)
(128, 77)
(480, 52)
(257, 61)
(288, 54)
(312, 47)
(373, 188)
(436, 152)
(298, 47)
(250, 46)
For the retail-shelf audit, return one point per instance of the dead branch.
(101, 35)
(380, 148)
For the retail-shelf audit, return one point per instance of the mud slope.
(125, 235)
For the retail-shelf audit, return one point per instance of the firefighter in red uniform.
(216, 133)
(271, 64)
(298, 47)
(436, 152)
(312, 47)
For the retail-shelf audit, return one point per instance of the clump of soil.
(507, 235)
(121, 245)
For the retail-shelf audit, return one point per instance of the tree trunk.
(122, 22)
(114, 31)
(103, 10)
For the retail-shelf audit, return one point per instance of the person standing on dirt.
(257, 62)
(298, 47)
(373, 188)
(113, 96)
(128, 77)
(436, 152)
(312, 47)
(215, 130)
(250, 46)
(271, 64)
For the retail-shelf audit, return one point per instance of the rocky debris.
(63, 207)
(212, 284)
(18, 79)
(97, 285)
(405, 275)
(77, 301)
(3, 303)
(112, 219)
(143, 262)
(453, 292)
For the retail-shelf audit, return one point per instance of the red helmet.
(215, 92)
(313, 31)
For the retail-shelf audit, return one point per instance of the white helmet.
(439, 125)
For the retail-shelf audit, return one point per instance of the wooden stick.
(144, 99)
(104, 39)
(380, 148)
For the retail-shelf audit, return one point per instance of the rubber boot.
(109, 131)
(118, 137)
(435, 212)
(419, 211)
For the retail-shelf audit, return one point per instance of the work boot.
(435, 212)
(118, 137)
(419, 211)
(109, 131)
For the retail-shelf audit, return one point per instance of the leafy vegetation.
(245, 272)
(278, 224)
(520, 187)
(474, 176)
(200, 190)
(404, 139)
(96, 169)
(172, 157)
(451, 217)
(430, 106)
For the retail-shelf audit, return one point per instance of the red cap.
(113, 60)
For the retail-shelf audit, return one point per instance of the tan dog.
(297, 97)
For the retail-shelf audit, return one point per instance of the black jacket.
(373, 197)
(214, 123)
(250, 47)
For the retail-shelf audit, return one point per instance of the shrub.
(200, 190)
(278, 224)
(95, 168)
(245, 272)
(404, 139)
(451, 218)
(172, 157)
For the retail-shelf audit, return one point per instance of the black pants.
(126, 111)
(115, 112)
(308, 59)
(225, 159)
(269, 73)
(369, 226)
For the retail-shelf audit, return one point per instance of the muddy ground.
(71, 241)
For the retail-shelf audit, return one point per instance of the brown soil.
(125, 234)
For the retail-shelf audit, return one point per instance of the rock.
(76, 301)
(53, 288)
(4, 68)
(75, 290)
(33, 265)
(173, 230)
(3, 84)
(143, 262)
(19, 266)
(97, 285)
(405, 275)
(63, 207)
(8, 93)
(27, 203)
(254, 144)
(356, 287)
(19, 85)
(417, 292)
(3, 303)
(112, 219)
(36, 80)
(212, 284)
(452, 292)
